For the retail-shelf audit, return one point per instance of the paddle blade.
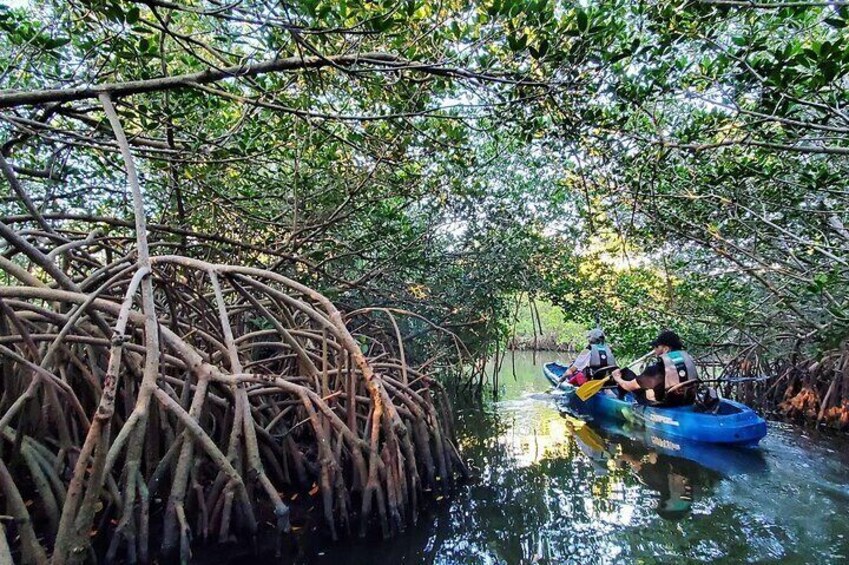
(591, 439)
(587, 390)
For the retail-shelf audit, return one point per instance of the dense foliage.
(366, 182)
(658, 163)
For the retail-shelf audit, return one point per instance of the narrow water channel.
(553, 489)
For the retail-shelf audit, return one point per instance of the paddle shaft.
(742, 380)
(732, 381)
(588, 389)
(605, 379)
(634, 362)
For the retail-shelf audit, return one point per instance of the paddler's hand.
(629, 386)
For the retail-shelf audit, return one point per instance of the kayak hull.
(732, 424)
(723, 458)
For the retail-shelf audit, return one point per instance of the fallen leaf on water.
(313, 490)
(294, 496)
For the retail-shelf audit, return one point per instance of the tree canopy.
(258, 229)
(665, 163)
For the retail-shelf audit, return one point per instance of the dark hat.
(669, 339)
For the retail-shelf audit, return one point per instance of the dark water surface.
(553, 489)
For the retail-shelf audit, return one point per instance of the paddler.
(669, 381)
(593, 362)
(669, 476)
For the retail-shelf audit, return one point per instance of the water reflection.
(553, 488)
(671, 477)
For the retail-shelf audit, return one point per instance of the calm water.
(553, 489)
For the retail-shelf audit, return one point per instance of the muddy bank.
(545, 342)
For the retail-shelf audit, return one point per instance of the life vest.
(678, 367)
(600, 356)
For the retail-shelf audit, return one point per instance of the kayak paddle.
(589, 389)
(738, 380)
(591, 439)
(725, 380)
(585, 434)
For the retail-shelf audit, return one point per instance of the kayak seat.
(713, 404)
(726, 409)
(707, 402)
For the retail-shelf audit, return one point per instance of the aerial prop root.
(802, 389)
(253, 382)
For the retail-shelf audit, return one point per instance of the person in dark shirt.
(668, 477)
(669, 381)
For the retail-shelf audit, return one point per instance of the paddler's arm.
(629, 386)
(567, 374)
(579, 364)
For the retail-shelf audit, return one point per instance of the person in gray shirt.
(596, 356)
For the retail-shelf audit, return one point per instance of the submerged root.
(808, 391)
(203, 396)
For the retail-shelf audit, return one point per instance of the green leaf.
(114, 13)
(56, 42)
(583, 21)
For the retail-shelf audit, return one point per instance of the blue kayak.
(726, 460)
(731, 423)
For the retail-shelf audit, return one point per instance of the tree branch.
(383, 62)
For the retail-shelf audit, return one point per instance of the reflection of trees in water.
(574, 501)
(578, 502)
(677, 484)
(549, 491)
(546, 510)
